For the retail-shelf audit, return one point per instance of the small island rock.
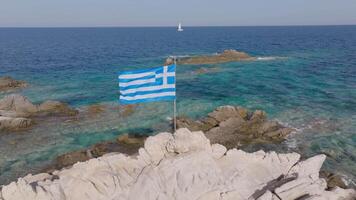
(224, 57)
(234, 126)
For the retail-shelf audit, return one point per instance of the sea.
(305, 78)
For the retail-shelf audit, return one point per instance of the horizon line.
(189, 26)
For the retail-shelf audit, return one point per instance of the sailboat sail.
(180, 27)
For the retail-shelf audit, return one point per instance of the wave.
(266, 58)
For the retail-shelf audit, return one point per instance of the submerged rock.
(96, 109)
(225, 56)
(182, 166)
(18, 110)
(206, 70)
(334, 180)
(235, 126)
(8, 83)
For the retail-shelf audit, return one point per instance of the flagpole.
(175, 103)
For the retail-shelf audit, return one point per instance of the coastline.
(183, 166)
(319, 125)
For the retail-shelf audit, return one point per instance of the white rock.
(309, 168)
(335, 194)
(182, 166)
(218, 150)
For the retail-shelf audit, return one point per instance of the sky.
(92, 13)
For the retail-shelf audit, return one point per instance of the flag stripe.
(150, 88)
(165, 98)
(137, 82)
(161, 90)
(148, 96)
(135, 79)
(134, 76)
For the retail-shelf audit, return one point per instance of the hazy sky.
(169, 12)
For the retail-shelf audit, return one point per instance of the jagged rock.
(10, 123)
(8, 83)
(56, 108)
(182, 166)
(225, 56)
(71, 158)
(20, 106)
(333, 180)
(16, 111)
(126, 144)
(235, 126)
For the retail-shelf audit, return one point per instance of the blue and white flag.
(156, 84)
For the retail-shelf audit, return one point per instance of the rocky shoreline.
(184, 165)
(231, 126)
(18, 113)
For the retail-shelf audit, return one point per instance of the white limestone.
(182, 166)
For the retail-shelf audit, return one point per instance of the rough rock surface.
(8, 83)
(225, 56)
(14, 123)
(127, 144)
(182, 166)
(16, 111)
(235, 126)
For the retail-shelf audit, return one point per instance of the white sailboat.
(180, 27)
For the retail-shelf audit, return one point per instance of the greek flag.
(156, 84)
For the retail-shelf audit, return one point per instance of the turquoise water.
(309, 85)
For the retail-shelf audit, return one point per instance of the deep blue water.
(310, 85)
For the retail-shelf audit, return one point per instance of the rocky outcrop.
(182, 166)
(127, 144)
(12, 123)
(235, 126)
(16, 111)
(224, 57)
(8, 83)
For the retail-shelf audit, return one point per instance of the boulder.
(17, 111)
(56, 108)
(334, 180)
(8, 83)
(21, 106)
(182, 166)
(234, 126)
(126, 144)
(223, 57)
(10, 123)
